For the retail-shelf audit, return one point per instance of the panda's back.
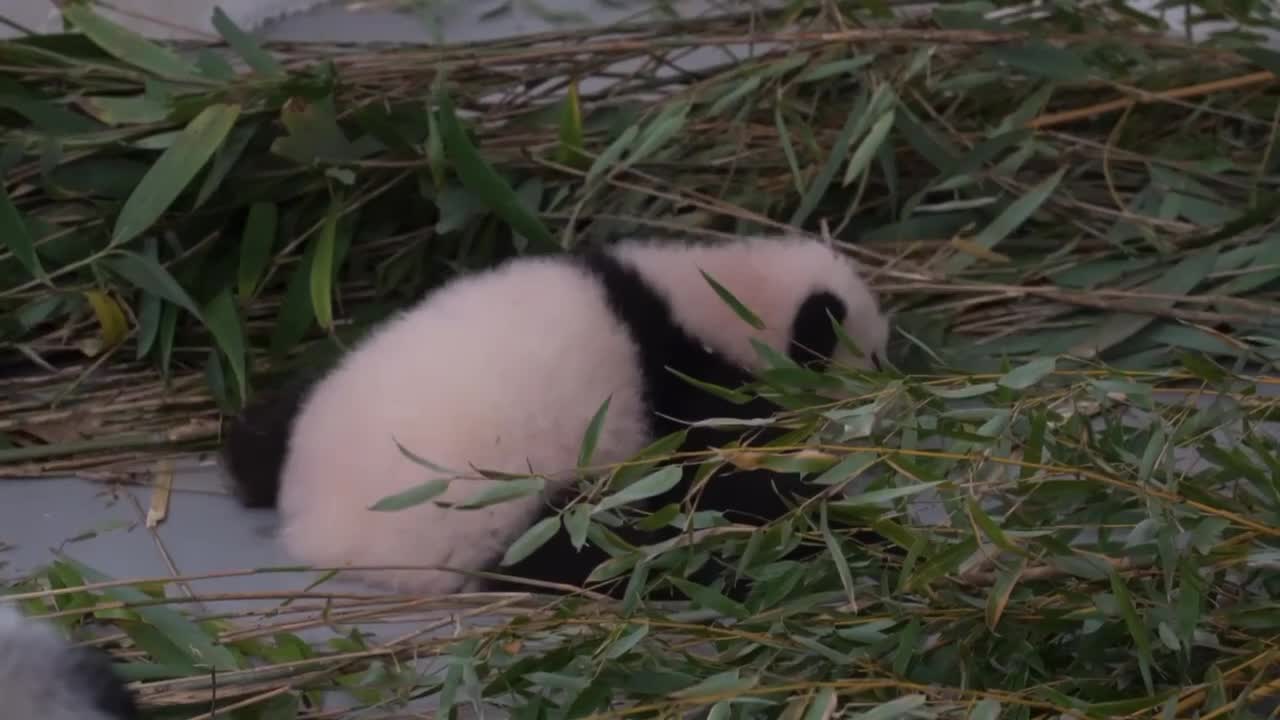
(501, 370)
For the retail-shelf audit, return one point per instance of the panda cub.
(504, 369)
(44, 677)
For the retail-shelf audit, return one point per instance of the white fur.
(771, 276)
(503, 370)
(35, 680)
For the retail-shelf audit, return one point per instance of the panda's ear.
(813, 339)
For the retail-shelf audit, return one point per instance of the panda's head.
(795, 286)
(43, 676)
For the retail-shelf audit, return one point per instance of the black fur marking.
(105, 688)
(746, 497)
(813, 340)
(257, 440)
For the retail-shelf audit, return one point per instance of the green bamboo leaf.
(709, 598)
(837, 557)
(998, 598)
(223, 320)
(17, 237)
(322, 267)
(733, 302)
(823, 705)
(151, 308)
(1009, 220)
(1179, 280)
(663, 127)
(732, 396)
(129, 46)
(626, 642)
(253, 55)
(1040, 58)
(737, 89)
(788, 149)
(256, 245)
(415, 495)
(988, 526)
(852, 124)
(1155, 448)
(868, 148)
(503, 491)
(1136, 628)
(653, 484)
(569, 152)
(942, 564)
(592, 435)
(48, 118)
(894, 709)
(435, 151)
(838, 67)
(224, 160)
(478, 177)
(128, 110)
(173, 170)
(532, 539)
(961, 393)
(875, 497)
(1024, 376)
(606, 159)
(194, 642)
(577, 520)
(149, 275)
(724, 683)
(1263, 57)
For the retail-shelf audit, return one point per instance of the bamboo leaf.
(733, 302)
(709, 598)
(186, 635)
(322, 267)
(223, 319)
(17, 237)
(852, 124)
(1009, 220)
(1179, 280)
(653, 484)
(150, 276)
(998, 599)
(246, 47)
(112, 325)
(1040, 58)
(592, 435)
(532, 539)
(893, 709)
(415, 495)
(569, 152)
(1136, 627)
(256, 245)
(609, 157)
(503, 491)
(479, 177)
(129, 46)
(1024, 376)
(868, 148)
(175, 168)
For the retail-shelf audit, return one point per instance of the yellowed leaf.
(111, 319)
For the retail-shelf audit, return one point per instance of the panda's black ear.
(813, 339)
